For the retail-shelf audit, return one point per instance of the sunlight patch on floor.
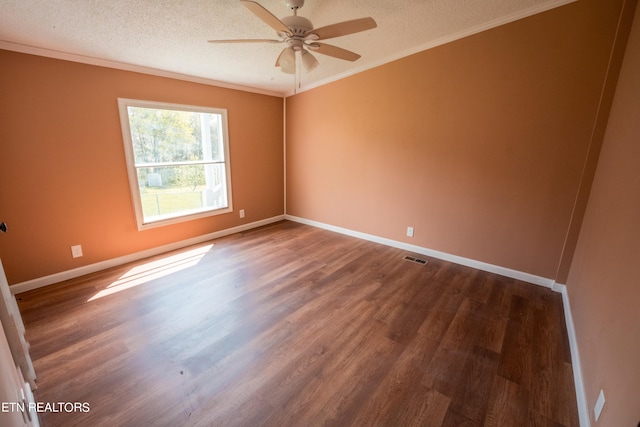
(154, 270)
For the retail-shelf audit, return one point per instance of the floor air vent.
(416, 260)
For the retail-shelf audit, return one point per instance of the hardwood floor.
(289, 325)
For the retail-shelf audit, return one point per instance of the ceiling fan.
(298, 34)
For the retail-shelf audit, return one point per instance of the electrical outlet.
(597, 408)
(76, 251)
(241, 213)
(409, 231)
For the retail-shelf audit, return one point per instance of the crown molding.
(65, 56)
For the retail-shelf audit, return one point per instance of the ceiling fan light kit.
(298, 34)
(309, 62)
(287, 61)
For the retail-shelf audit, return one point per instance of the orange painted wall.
(479, 144)
(604, 280)
(62, 165)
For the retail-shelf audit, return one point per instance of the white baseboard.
(102, 265)
(581, 397)
(503, 271)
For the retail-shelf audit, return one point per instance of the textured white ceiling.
(171, 35)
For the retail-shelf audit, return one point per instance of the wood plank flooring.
(289, 325)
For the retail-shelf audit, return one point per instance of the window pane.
(177, 159)
(180, 190)
(163, 135)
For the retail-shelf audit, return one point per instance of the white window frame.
(123, 103)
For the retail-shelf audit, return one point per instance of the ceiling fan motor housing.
(299, 26)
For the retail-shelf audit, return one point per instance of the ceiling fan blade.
(343, 28)
(287, 60)
(266, 16)
(336, 52)
(247, 41)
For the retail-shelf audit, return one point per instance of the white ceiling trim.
(441, 41)
(32, 50)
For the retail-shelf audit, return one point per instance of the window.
(178, 161)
